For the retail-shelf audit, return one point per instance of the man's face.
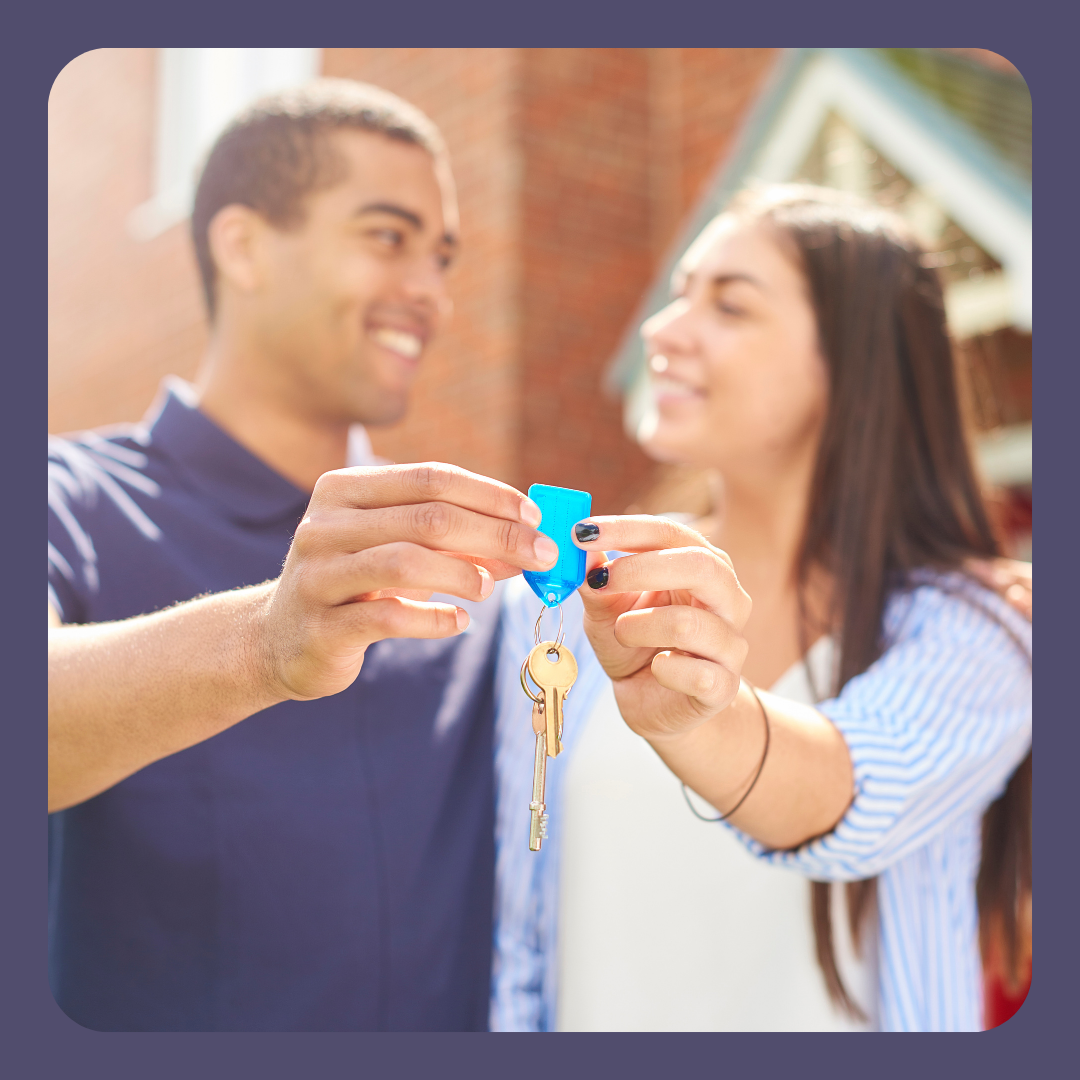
(353, 295)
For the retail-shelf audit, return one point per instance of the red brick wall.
(587, 258)
(576, 168)
(122, 313)
(717, 86)
(466, 402)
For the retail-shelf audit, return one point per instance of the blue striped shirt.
(934, 727)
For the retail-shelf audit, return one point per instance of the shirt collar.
(215, 464)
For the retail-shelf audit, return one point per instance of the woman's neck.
(760, 524)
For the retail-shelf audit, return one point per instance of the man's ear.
(235, 236)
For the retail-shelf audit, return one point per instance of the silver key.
(537, 810)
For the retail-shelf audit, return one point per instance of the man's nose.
(425, 283)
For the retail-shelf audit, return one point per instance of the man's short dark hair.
(276, 152)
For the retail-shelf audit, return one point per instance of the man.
(271, 806)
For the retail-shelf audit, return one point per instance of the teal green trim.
(929, 113)
(751, 137)
(994, 104)
(941, 124)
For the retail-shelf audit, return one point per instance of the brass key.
(537, 809)
(553, 669)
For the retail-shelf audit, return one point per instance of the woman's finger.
(690, 630)
(710, 688)
(694, 570)
(638, 532)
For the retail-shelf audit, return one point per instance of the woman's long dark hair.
(893, 487)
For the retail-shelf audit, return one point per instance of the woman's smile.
(668, 390)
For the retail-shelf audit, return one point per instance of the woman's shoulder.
(949, 605)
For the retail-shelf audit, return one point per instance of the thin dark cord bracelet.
(761, 765)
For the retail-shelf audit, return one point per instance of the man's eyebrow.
(448, 239)
(414, 219)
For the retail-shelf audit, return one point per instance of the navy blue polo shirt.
(322, 865)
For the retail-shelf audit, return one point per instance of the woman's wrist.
(723, 755)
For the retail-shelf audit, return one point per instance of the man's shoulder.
(102, 468)
(101, 490)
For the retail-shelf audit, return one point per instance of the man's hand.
(666, 623)
(1010, 579)
(375, 543)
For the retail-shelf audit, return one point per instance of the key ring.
(536, 629)
(536, 638)
(525, 686)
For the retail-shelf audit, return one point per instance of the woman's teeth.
(664, 386)
(399, 341)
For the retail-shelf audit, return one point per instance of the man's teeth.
(399, 341)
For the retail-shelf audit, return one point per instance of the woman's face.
(738, 378)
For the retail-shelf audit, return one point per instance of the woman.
(805, 357)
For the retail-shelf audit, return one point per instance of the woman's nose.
(668, 328)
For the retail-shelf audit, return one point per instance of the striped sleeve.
(935, 728)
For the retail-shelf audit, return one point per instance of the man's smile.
(402, 342)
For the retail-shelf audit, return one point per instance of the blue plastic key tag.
(561, 509)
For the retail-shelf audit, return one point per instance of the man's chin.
(381, 409)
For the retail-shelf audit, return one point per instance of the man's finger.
(398, 617)
(375, 486)
(400, 567)
(498, 569)
(1010, 579)
(440, 526)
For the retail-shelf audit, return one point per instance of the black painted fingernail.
(586, 531)
(597, 577)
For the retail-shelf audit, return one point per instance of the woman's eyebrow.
(726, 279)
(682, 280)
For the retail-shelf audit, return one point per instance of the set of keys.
(553, 668)
(551, 665)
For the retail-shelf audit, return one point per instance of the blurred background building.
(582, 175)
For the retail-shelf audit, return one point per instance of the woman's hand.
(665, 622)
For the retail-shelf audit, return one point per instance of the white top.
(934, 727)
(667, 922)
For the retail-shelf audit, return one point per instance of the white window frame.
(198, 92)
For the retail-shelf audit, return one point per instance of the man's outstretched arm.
(374, 544)
(124, 694)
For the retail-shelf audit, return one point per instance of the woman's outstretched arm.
(926, 731)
